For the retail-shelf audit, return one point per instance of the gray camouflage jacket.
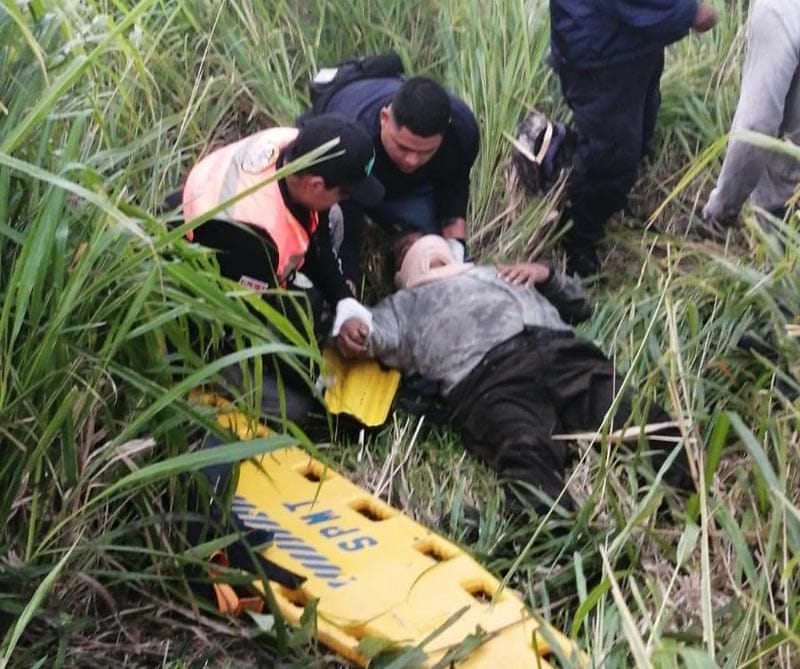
(443, 329)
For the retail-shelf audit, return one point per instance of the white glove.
(349, 308)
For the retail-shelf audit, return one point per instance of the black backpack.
(542, 152)
(330, 79)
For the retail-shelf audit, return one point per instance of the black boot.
(583, 261)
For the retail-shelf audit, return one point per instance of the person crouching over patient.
(278, 226)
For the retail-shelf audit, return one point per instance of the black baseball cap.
(348, 164)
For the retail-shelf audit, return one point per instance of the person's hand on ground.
(713, 212)
(713, 225)
(524, 273)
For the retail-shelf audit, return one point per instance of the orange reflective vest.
(238, 167)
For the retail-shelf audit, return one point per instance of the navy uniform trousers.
(614, 112)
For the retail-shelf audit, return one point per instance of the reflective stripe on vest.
(237, 167)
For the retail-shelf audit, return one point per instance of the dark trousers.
(534, 386)
(281, 392)
(614, 112)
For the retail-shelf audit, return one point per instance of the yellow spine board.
(377, 573)
(374, 571)
(359, 387)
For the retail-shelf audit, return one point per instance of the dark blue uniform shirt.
(595, 33)
(447, 172)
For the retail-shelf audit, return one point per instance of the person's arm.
(451, 195)
(454, 230)
(566, 294)
(770, 66)
(350, 248)
(665, 20)
(381, 338)
(321, 266)
(244, 253)
(386, 339)
(452, 189)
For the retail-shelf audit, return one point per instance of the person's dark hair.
(422, 106)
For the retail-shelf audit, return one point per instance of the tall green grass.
(98, 299)
(104, 106)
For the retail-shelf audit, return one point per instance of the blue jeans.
(415, 212)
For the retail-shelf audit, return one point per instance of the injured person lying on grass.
(499, 343)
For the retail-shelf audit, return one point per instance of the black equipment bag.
(330, 79)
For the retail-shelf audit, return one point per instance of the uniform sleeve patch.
(260, 158)
(253, 284)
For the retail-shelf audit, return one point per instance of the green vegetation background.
(104, 105)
